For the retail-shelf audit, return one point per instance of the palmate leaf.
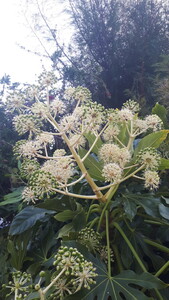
(126, 285)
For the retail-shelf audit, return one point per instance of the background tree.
(117, 44)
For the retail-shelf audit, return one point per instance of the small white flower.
(69, 124)
(40, 110)
(28, 149)
(59, 152)
(69, 93)
(132, 105)
(109, 153)
(28, 195)
(152, 179)
(61, 169)
(26, 123)
(125, 114)
(154, 122)
(150, 158)
(45, 138)
(123, 157)
(15, 101)
(112, 172)
(57, 107)
(77, 140)
(140, 126)
(110, 132)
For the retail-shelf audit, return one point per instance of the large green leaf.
(153, 140)
(91, 139)
(27, 219)
(93, 166)
(13, 197)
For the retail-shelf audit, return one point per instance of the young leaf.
(27, 218)
(65, 215)
(13, 197)
(160, 111)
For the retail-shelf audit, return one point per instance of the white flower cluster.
(117, 128)
(150, 158)
(62, 169)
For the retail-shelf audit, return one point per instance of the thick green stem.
(108, 243)
(16, 294)
(112, 192)
(162, 269)
(92, 206)
(42, 296)
(156, 245)
(117, 258)
(93, 222)
(130, 246)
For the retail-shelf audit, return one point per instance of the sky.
(20, 64)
